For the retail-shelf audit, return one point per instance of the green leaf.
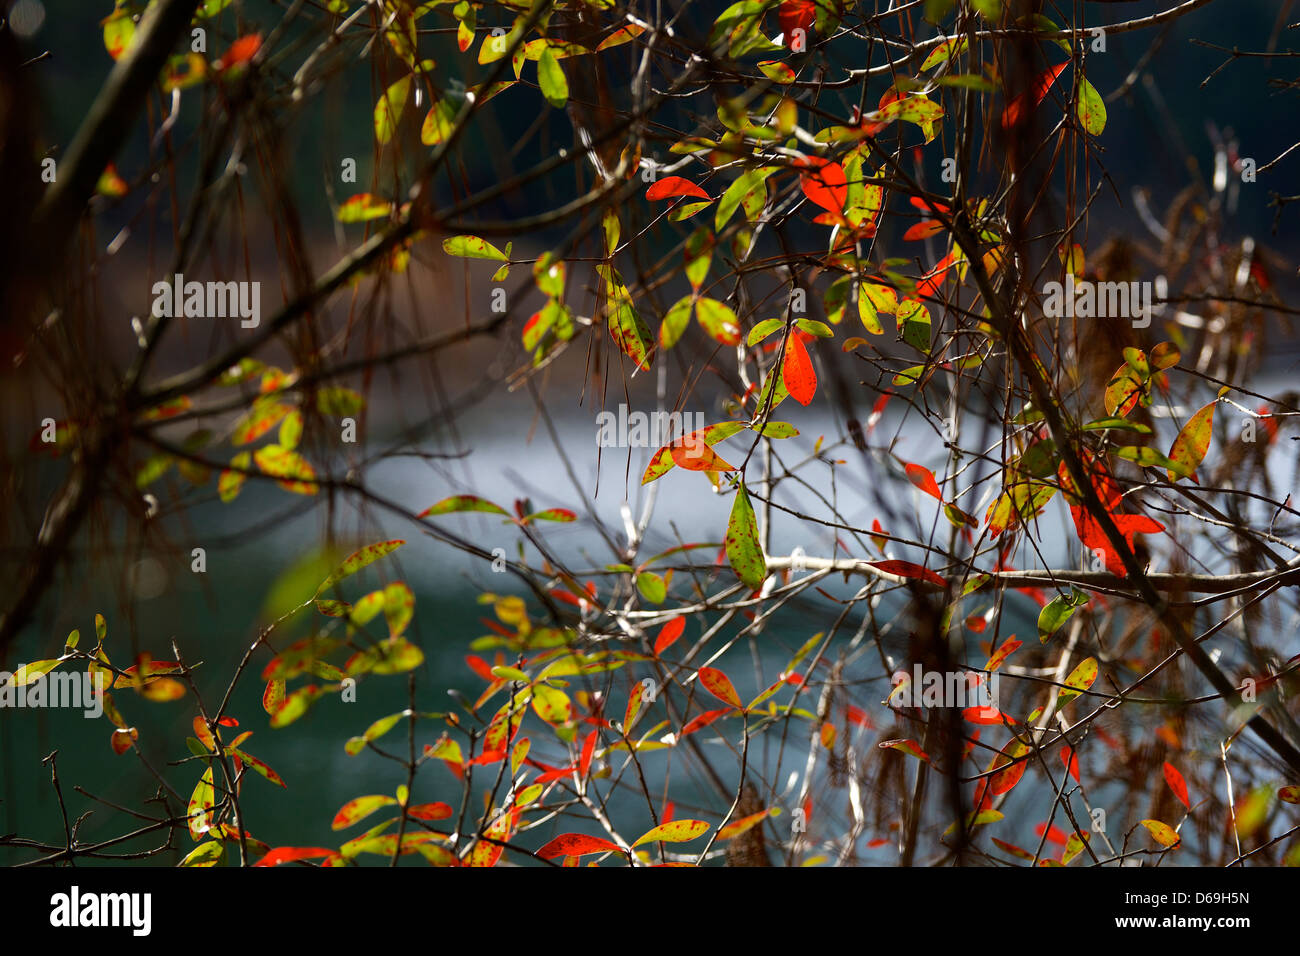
(813, 327)
(1120, 423)
(472, 247)
(358, 560)
(363, 207)
(915, 321)
(1057, 611)
(389, 109)
(1080, 679)
(550, 77)
(205, 854)
(675, 322)
(777, 430)
(652, 587)
(763, 330)
(749, 182)
(945, 51)
(1150, 458)
(458, 503)
(33, 671)
(743, 550)
(1090, 108)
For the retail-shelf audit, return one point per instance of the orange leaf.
(693, 453)
(923, 478)
(241, 51)
(797, 372)
(669, 634)
(717, 684)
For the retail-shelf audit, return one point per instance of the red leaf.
(671, 186)
(703, 720)
(825, 184)
(796, 15)
(929, 285)
(923, 478)
(1054, 834)
(430, 811)
(1177, 784)
(1071, 761)
(669, 634)
(576, 844)
(797, 372)
(241, 51)
(906, 569)
(588, 750)
(717, 684)
(1037, 92)
(289, 854)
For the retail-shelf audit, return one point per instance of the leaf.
(678, 831)
(458, 503)
(909, 747)
(762, 330)
(360, 559)
(906, 569)
(1038, 90)
(718, 684)
(744, 552)
(675, 321)
(363, 207)
(1165, 355)
(673, 186)
(550, 514)
(750, 182)
(199, 813)
(439, 123)
(205, 854)
(259, 767)
(945, 51)
(291, 854)
(388, 110)
(31, 672)
(652, 587)
(1161, 832)
(241, 51)
(923, 478)
(703, 720)
(472, 247)
(1177, 784)
(1189, 448)
(1080, 679)
(1091, 108)
(1057, 611)
(797, 371)
(825, 184)
(1009, 647)
(669, 634)
(576, 844)
(736, 827)
(1013, 768)
(550, 77)
(718, 320)
(358, 809)
(626, 328)
(1123, 391)
(1289, 794)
